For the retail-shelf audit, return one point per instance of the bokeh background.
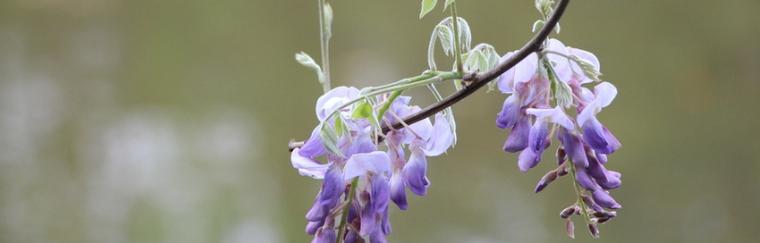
(167, 121)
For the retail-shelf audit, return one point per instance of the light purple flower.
(594, 133)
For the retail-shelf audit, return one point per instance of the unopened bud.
(568, 211)
(594, 230)
(590, 203)
(562, 171)
(545, 180)
(561, 155)
(570, 229)
(605, 214)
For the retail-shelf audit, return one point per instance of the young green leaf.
(427, 6)
(306, 60)
(362, 110)
(340, 128)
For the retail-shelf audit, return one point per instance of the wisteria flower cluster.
(371, 145)
(584, 141)
(379, 175)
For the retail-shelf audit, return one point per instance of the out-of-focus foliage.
(167, 121)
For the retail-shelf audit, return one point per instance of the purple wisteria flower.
(381, 175)
(557, 75)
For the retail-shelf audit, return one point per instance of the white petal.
(441, 137)
(605, 92)
(376, 162)
(334, 98)
(307, 166)
(526, 69)
(555, 115)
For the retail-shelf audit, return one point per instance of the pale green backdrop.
(167, 121)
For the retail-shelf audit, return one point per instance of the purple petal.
(398, 190)
(329, 195)
(605, 200)
(527, 159)
(380, 193)
(313, 226)
(597, 170)
(583, 179)
(518, 138)
(356, 144)
(324, 235)
(369, 219)
(538, 136)
(360, 164)
(386, 225)
(601, 157)
(351, 237)
(593, 134)
(613, 180)
(597, 136)
(415, 172)
(377, 237)
(590, 203)
(573, 147)
(313, 147)
(509, 114)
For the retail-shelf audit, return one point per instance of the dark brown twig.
(477, 81)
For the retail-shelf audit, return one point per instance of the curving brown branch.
(477, 81)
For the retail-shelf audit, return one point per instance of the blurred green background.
(167, 121)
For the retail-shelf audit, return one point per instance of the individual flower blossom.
(422, 139)
(532, 85)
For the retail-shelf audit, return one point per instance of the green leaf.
(306, 60)
(330, 139)
(427, 6)
(340, 128)
(362, 110)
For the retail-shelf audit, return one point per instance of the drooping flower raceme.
(381, 173)
(557, 75)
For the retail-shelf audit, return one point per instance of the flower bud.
(594, 230)
(568, 211)
(570, 229)
(545, 180)
(561, 155)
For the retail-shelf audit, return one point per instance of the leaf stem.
(324, 46)
(578, 192)
(346, 208)
(457, 46)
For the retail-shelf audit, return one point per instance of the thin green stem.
(346, 208)
(457, 46)
(578, 192)
(324, 46)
